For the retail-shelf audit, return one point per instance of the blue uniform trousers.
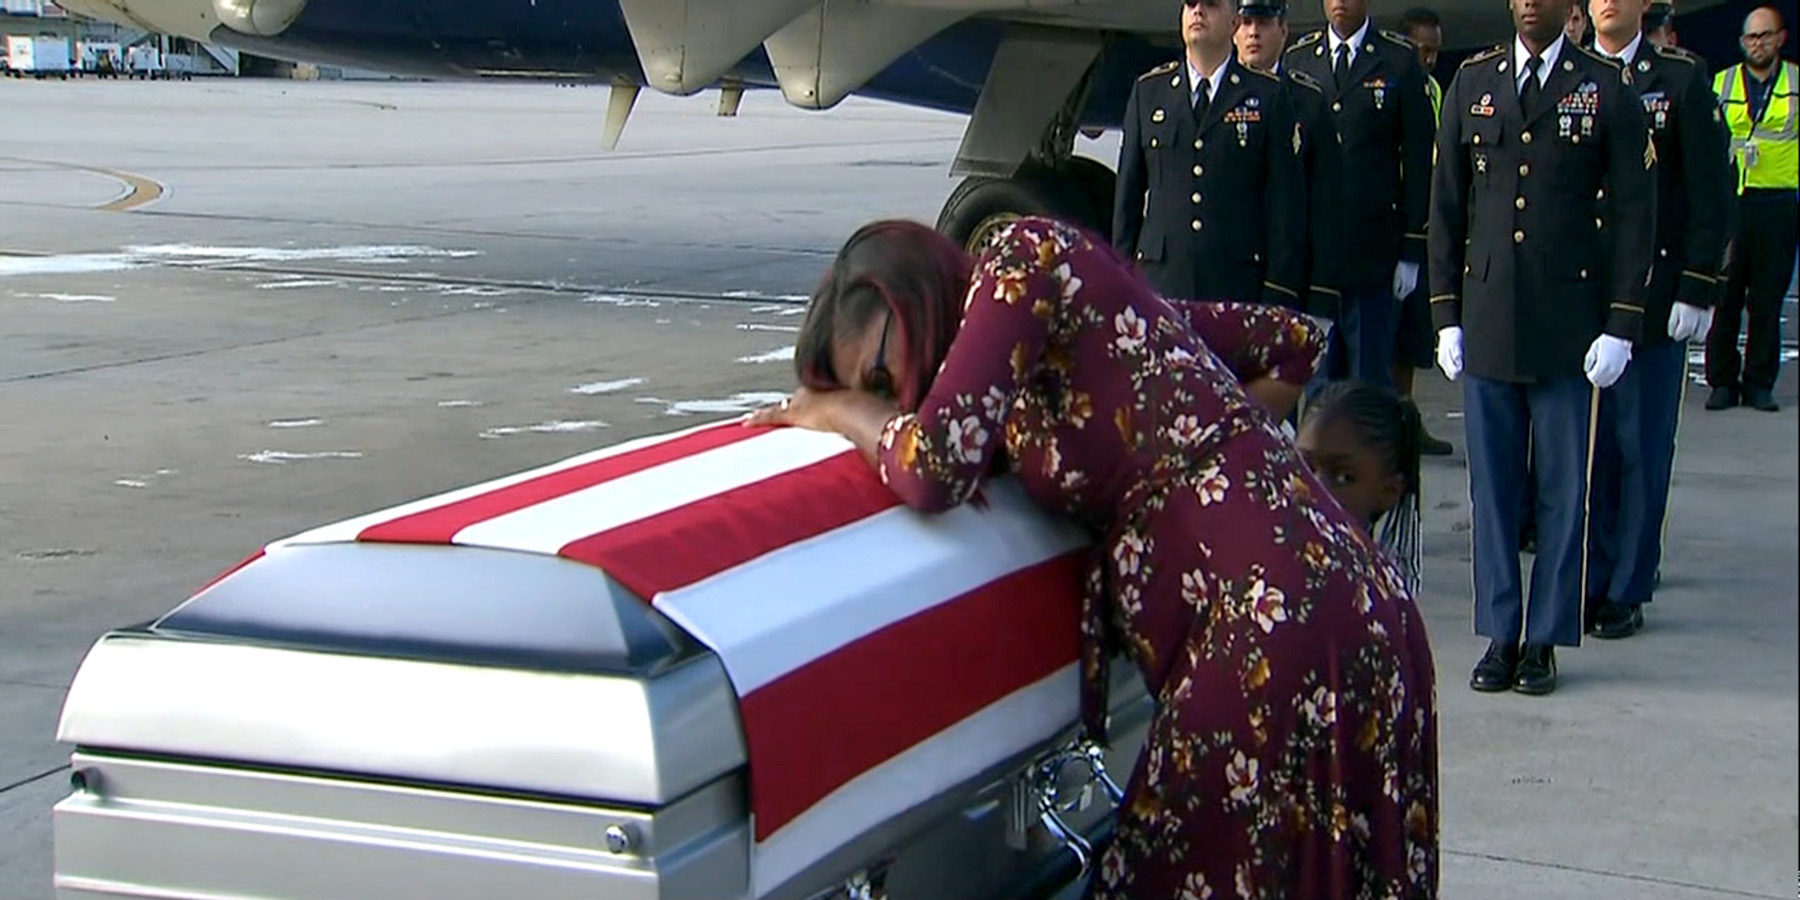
(1362, 345)
(1552, 420)
(1634, 451)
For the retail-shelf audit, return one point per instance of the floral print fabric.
(1293, 753)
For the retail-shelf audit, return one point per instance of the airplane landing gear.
(1079, 191)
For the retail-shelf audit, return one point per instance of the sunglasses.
(879, 380)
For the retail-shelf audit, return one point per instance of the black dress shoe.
(1590, 607)
(1722, 398)
(1495, 671)
(1761, 398)
(1433, 446)
(1536, 673)
(1616, 620)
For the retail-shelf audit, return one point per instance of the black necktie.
(1201, 100)
(1340, 68)
(1528, 93)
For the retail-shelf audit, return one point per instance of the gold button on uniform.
(1518, 237)
(1337, 107)
(1154, 142)
(1195, 225)
(1526, 137)
(1196, 197)
(1583, 273)
(1199, 143)
(1197, 171)
(1519, 202)
(1478, 139)
(1524, 169)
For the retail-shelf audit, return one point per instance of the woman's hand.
(806, 408)
(853, 414)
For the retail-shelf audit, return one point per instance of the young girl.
(1363, 442)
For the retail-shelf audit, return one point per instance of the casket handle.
(1047, 777)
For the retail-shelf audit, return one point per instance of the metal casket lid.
(440, 664)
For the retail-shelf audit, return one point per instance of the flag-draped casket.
(724, 662)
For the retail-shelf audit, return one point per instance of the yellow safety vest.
(1436, 92)
(1767, 152)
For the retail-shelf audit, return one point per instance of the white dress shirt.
(1212, 82)
(1628, 55)
(1354, 42)
(1521, 55)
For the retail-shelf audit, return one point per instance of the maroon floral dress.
(1293, 753)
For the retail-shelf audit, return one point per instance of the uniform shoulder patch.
(1163, 69)
(1677, 54)
(1305, 80)
(1308, 39)
(1395, 37)
(1483, 56)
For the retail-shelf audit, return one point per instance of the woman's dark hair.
(1389, 425)
(896, 267)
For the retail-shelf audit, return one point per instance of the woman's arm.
(935, 458)
(1258, 342)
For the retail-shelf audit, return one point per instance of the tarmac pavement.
(236, 309)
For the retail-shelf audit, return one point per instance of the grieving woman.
(1293, 753)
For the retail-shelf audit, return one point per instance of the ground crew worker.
(1762, 110)
(1635, 443)
(1260, 36)
(1532, 130)
(1376, 91)
(1211, 195)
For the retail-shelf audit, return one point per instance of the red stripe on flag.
(684, 545)
(440, 524)
(231, 571)
(819, 726)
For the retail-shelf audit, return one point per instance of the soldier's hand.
(1450, 351)
(1606, 360)
(1406, 278)
(1689, 322)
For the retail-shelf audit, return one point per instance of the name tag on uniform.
(1484, 107)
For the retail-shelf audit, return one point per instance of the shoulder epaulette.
(1309, 38)
(1678, 54)
(1260, 74)
(1163, 69)
(1598, 57)
(1304, 80)
(1483, 56)
(1397, 38)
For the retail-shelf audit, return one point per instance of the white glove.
(1689, 322)
(1449, 351)
(1606, 360)
(1406, 277)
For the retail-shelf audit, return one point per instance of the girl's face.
(1354, 473)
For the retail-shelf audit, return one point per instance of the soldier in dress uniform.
(1635, 447)
(1375, 90)
(1211, 193)
(1261, 35)
(1531, 132)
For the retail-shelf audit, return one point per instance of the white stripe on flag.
(348, 529)
(553, 524)
(1011, 725)
(768, 616)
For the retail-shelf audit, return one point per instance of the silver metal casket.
(361, 714)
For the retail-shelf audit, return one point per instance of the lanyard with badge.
(1768, 99)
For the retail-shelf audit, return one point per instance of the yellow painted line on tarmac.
(139, 189)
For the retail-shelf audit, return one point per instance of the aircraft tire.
(1097, 183)
(980, 205)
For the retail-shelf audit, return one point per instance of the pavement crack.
(33, 779)
(1605, 873)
